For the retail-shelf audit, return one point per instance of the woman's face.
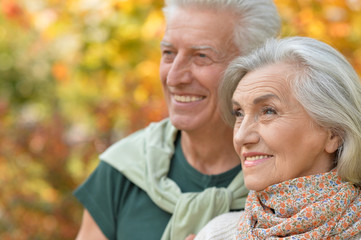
(273, 135)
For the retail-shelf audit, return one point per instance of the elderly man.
(171, 178)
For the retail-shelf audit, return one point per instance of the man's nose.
(180, 71)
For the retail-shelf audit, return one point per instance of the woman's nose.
(246, 133)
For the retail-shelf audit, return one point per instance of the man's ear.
(333, 141)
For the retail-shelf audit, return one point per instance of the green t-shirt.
(124, 211)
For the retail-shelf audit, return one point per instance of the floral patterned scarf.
(314, 207)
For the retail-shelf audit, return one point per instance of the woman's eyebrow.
(234, 102)
(264, 98)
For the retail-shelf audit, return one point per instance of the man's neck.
(210, 151)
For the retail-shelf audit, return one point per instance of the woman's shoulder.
(356, 237)
(221, 227)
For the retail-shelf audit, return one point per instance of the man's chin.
(184, 123)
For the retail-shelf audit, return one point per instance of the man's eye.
(168, 56)
(167, 52)
(202, 59)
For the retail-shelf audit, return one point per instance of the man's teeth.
(187, 98)
(257, 157)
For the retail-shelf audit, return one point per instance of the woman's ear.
(333, 142)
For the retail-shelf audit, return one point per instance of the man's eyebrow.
(212, 49)
(264, 98)
(204, 48)
(166, 44)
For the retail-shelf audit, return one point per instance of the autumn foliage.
(75, 76)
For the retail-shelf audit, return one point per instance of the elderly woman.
(296, 112)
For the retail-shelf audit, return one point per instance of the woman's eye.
(237, 113)
(269, 111)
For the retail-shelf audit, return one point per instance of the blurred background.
(78, 75)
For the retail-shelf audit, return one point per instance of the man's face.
(196, 49)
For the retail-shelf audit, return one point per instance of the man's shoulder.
(153, 129)
(221, 227)
(157, 138)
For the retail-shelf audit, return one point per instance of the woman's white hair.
(257, 20)
(324, 83)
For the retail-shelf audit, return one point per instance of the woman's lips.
(253, 159)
